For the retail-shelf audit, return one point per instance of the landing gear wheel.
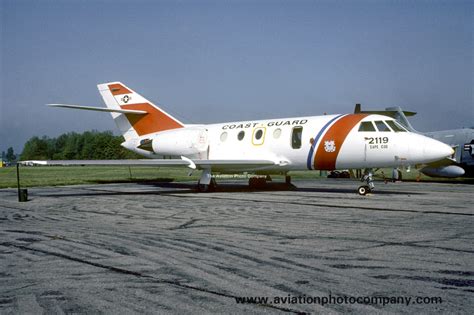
(207, 188)
(257, 182)
(363, 190)
(203, 188)
(367, 177)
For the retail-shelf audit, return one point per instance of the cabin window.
(223, 136)
(258, 136)
(277, 133)
(296, 136)
(241, 135)
(395, 126)
(381, 126)
(366, 126)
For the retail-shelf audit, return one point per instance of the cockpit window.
(395, 126)
(381, 126)
(366, 126)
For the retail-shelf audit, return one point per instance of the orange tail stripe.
(118, 89)
(154, 121)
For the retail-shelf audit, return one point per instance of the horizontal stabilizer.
(101, 109)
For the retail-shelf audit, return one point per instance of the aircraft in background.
(262, 147)
(461, 140)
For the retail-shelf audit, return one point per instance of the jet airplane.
(262, 147)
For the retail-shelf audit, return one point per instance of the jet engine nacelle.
(182, 141)
(450, 171)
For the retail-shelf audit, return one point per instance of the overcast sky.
(215, 61)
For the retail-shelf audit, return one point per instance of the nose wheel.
(365, 189)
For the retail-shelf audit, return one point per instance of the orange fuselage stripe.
(338, 132)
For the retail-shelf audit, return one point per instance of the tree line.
(89, 145)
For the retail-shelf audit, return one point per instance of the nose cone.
(434, 150)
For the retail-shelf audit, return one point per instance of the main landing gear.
(206, 183)
(261, 183)
(257, 182)
(365, 189)
(207, 187)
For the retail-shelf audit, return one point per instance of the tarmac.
(165, 248)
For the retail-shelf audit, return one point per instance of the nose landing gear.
(365, 189)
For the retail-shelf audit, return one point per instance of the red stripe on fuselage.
(324, 159)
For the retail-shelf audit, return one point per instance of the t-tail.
(117, 96)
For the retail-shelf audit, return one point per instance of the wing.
(214, 165)
(141, 162)
(236, 166)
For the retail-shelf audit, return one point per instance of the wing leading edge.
(199, 164)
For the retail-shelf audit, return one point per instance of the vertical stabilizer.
(399, 115)
(118, 96)
(394, 112)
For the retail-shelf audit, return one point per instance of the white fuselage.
(317, 142)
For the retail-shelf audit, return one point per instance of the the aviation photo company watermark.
(239, 176)
(339, 300)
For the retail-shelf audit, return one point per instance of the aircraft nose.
(435, 150)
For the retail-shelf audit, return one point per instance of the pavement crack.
(175, 214)
(184, 225)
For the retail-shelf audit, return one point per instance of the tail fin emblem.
(126, 98)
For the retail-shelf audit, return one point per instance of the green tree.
(10, 156)
(35, 149)
(90, 145)
(71, 145)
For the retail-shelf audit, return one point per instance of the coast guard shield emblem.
(329, 146)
